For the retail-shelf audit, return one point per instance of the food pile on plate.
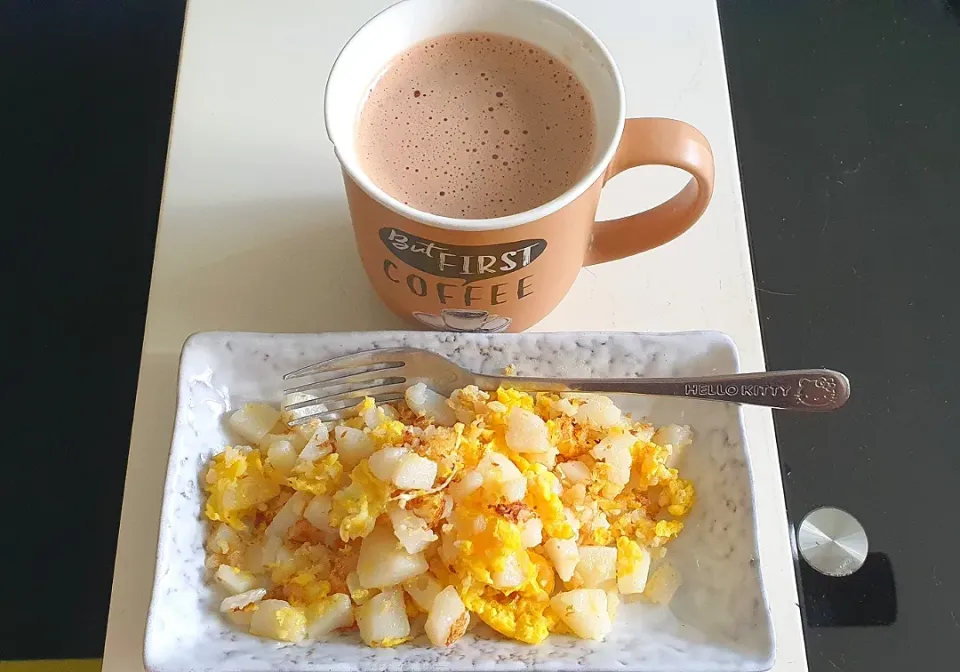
(534, 514)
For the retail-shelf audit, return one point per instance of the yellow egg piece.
(667, 529)
(542, 497)
(319, 477)
(523, 619)
(236, 484)
(389, 433)
(357, 506)
(682, 496)
(515, 399)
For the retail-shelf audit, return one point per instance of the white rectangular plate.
(719, 620)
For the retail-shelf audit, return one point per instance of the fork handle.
(801, 390)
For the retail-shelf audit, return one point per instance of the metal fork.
(336, 386)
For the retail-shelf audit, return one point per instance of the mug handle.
(664, 142)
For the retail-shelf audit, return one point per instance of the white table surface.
(254, 235)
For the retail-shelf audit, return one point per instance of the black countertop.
(847, 117)
(848, 126)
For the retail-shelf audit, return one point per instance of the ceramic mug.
(505, 273)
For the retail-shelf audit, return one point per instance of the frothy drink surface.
(476, 125)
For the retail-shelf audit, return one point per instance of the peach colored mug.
(507, 273)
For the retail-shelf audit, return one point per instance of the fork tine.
(339, 413)
(354, 394)
(322, 393)
(388, 357)
(354, 376)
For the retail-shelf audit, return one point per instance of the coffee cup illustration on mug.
(451, 319)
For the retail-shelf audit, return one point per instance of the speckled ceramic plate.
(718, 621)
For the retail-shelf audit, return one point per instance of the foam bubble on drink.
(476, 125)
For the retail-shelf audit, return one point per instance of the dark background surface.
(848, 125)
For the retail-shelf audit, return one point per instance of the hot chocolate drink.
(476, 125)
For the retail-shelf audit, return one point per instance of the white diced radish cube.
(643, 432)
(276, 619)
(526, 432)
(467, 485)
(296, 398)
(613, 603)
(566, 407)
(358, 593)
(448, 618)
(428, 404)
(377, 415)
(268, 555)
(288, 514)
(296, 440)
(235, 580)
(575, 494)
(615, 452)
(253, 558)
(282, 456)
(584, 611)
(510, 576)
(564, 555)
(497, 467)
(317, 512)
(514, 490)
(383, 561)
(335, 612)
(633, 566)
(254, 421)
(575, 471)
(415, 472)
(383, 463)
(547, 459)
(598, 411)
(383, 618)
(678, 437)
(448, 548)
(531, 532)
(353, 445)
(238, 602)
(662, 584)
(241, 617)
(284, 554)
(410, 530)
(304, 430)
(223, 540)
(597, 567)
(501, 475)
(318, 446)
(423, 589)
(572, 521)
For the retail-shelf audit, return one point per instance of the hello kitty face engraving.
(816, 392)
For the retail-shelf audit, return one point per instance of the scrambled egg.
(524, 619)
(357, 506)
(491, 506)
(319, 477)
(543, 498)
(236, 484)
